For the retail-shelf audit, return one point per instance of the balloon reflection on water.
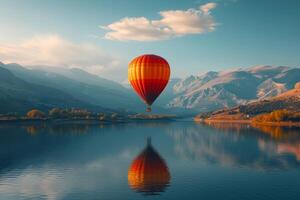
(149, 173)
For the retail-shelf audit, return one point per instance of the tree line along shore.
(80, 114)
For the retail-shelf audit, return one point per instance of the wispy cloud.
(53, 50)
(173, 23)
(207, 7)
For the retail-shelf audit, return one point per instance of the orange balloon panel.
(148, 75)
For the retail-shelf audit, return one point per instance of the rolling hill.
(289, 100)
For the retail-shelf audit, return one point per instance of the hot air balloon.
(148, 173)
(148, 75)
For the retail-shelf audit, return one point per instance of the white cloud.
(207, 7)
(173, 23)
(53, 50)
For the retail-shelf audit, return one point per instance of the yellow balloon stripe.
(145, 72)
(148, 65)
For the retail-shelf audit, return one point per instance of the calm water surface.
(183, 160)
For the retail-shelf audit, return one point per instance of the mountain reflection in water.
(149, 173)
(239, 145)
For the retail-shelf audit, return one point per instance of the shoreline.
(87, 120)
(289, 124)
(227, 121)
(282, 123)
(116, 121)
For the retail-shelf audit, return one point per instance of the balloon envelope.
(148, 75)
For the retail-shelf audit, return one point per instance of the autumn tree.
(36, 114)
(70, 113)
(278, 116)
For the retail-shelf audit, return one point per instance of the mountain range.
(79, 84)
(217, 90)
(45, 87)
(74, 87)
(17, 95)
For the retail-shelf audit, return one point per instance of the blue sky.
(244, 33)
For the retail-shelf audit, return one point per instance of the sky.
(195, 36)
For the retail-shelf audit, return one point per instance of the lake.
(149, 160)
